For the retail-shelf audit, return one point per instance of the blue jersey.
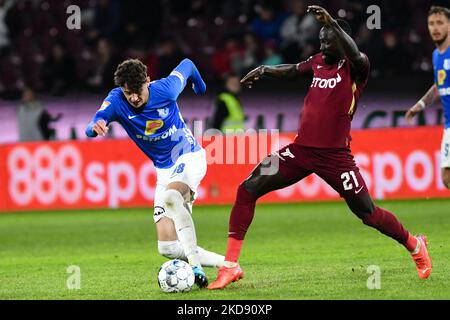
(441, 63)
(157, 128)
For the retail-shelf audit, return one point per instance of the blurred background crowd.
(43, 63)
(37, 49)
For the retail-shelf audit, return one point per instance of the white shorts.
(445, 149)
(190, 169)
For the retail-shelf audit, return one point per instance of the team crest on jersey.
(152, 125)
(163, 113)
(447, 64)
(441, 77)
(104, 105)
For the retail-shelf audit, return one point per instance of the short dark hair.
(131, 72)
(438, 9)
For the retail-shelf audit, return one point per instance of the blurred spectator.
(249, 57)
(271, 57)
(268, 23)
(299, 31)
(106, 19)
(226, 58)
(33, 119)
(151, 61)
(106, 61)
(140, 21)
(59, 70)
(395, 57)
(30, 28)
(170, 55)
(371, 44)
(5, 5)
(228, 110)
(290, 31)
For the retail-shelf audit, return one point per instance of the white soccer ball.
(176, 276)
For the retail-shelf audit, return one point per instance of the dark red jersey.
(332, 99)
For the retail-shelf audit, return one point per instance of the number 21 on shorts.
(347, 177)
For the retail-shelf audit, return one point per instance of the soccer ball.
(176, 276)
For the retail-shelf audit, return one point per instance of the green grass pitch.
(292, 251)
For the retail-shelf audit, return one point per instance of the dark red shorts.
(335, 166)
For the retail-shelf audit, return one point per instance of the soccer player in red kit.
(322, 146)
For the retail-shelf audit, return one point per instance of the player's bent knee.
(253, 186)
(170, 249)
(446, 179)
(362, 206)
(172, 199)
(245, 193)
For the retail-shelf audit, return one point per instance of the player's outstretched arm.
(98, 128)
(187, 70)
(99, 123)
(426, 100)
(350, 48)
(281, 71)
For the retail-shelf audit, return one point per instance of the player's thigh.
(361, 204)
(351, 186)
(340, 171)
(188, 171)
(277, 171)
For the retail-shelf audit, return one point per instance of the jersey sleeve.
(305, 66)
(172, 86)
(106, 113)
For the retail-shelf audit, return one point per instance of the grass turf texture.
(292, 251)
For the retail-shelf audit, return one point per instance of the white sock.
(174, 250)
(184, 225)
(210, 259)
(230, 264)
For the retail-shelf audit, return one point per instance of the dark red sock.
(233, 249)
(387, 224)
(240, 220)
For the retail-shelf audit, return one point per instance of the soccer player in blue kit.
(439, 28)
(149, 113)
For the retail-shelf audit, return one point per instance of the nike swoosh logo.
(425, 270)
(131, 117)
(359, 190)
(319, 67)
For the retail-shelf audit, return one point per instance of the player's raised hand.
(100, 128)
(253, 76)
(321, 14)
(411, 113)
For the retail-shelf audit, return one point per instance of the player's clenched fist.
(321, 14)
(253, 76)
(100, 128)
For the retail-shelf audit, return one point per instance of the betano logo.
(152, 125)
(326, 83)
